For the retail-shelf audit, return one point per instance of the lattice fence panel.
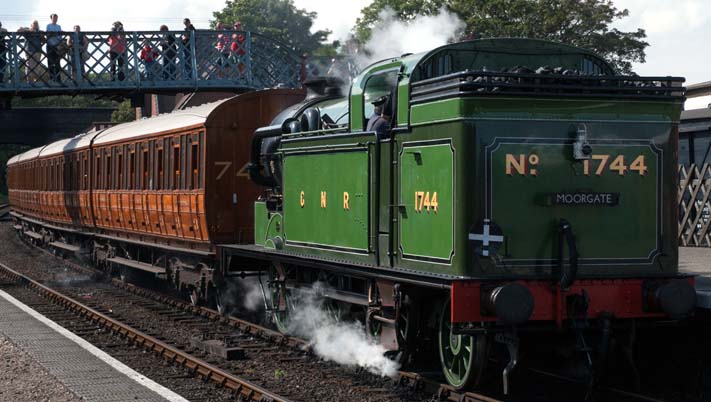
(694, 205)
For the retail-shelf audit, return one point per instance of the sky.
(679, 31)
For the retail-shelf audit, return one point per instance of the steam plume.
(342, 342)
(392, 37)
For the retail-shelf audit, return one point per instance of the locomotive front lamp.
(581, 147)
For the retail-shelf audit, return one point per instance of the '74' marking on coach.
(226, 165)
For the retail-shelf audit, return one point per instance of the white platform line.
(103, 356)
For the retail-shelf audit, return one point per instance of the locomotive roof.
(496, 53)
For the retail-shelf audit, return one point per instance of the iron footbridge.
(121, 63)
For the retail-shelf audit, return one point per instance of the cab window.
(378, 85)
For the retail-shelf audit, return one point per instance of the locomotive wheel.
(280, 300)
(463, 357)
(407, 325)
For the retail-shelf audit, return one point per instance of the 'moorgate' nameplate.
(585, 199)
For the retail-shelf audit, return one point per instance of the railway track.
(202, 369)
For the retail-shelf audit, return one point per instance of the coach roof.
(163, 123)
(29, 155)
(159, 124)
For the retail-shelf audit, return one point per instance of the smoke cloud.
(392, 37)
(345, 343)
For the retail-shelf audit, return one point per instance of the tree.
(582, 23)
(124, 113)
(277, 19)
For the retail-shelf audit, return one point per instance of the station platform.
(81, 368)
(697, 261)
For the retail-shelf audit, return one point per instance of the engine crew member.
(380, 120)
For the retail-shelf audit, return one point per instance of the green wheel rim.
(462, 356)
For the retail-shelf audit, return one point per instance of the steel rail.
(198, 367)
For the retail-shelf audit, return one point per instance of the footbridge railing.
(42, 63)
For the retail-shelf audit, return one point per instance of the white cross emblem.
(486, 238)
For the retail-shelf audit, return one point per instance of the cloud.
(666, 17)
(677, 32)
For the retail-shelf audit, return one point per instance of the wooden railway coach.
(155, 194)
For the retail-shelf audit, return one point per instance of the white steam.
(345, 343)
(392, 37)
(253, 299)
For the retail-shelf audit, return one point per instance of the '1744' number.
(426, 200)
(617, 165)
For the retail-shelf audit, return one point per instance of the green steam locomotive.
(516, 184)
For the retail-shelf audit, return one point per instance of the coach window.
(159, 184)
(85, 172)
(120, 169)
(119, 185)
(67, 166)
(176, 167)
(108, 183)
(97, 172)
(74, 166)
(69, 176)
(194, 164)
(144, 170)
(131, 169)
(52, 175)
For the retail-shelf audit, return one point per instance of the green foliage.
(277, 19)
(124, 113)
(279, 374)
(328, 50)
(583, 23)
(62, 101)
